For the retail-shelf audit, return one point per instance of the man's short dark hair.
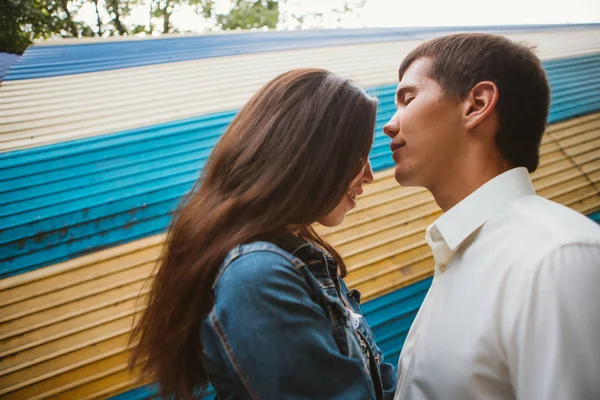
(461, 61)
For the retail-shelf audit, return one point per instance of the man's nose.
(392, 128)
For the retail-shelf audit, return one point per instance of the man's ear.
(480, 103)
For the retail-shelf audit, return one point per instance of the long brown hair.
(285, 160)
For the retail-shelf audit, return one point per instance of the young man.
(514, 308)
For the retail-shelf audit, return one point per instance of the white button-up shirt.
(514, 308)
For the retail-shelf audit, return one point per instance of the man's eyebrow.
(402, 90)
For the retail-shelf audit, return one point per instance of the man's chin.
(404, 178)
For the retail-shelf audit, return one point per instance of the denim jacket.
(281, 328)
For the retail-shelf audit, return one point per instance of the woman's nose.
(367, 176)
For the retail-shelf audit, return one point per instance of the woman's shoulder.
(256, 262)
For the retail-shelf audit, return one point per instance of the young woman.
(247, 296)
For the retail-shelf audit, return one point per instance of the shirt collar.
(458, 223)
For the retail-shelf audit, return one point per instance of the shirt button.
(442, 268)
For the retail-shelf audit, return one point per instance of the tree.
(24, 21)
(163, 9)
(295, 16)
(118, 9)
(204, 7)
(20, 24)
(99, 20)
(65, 11)
(247, 14)
(68, 19)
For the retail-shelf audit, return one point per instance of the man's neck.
(449, 192)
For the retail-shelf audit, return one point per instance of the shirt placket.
(406, 378)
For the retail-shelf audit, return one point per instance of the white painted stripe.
(41, 111)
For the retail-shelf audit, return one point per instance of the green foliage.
(118, 10)
(251, 14)
(203, 7)
(24, 21)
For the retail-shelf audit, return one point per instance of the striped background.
(99, 139)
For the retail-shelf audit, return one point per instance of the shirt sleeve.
(554, 352)
(277, 341)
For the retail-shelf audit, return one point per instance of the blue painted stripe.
(46, 61)
(390, 317)
(151, 392)
(141, 393)
(6, 61)
(68, 199)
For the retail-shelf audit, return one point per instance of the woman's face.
(348, 201)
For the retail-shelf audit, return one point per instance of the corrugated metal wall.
(63, 326)
(127, 98)
(108, 189)
(63, 59)
(6, 61)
